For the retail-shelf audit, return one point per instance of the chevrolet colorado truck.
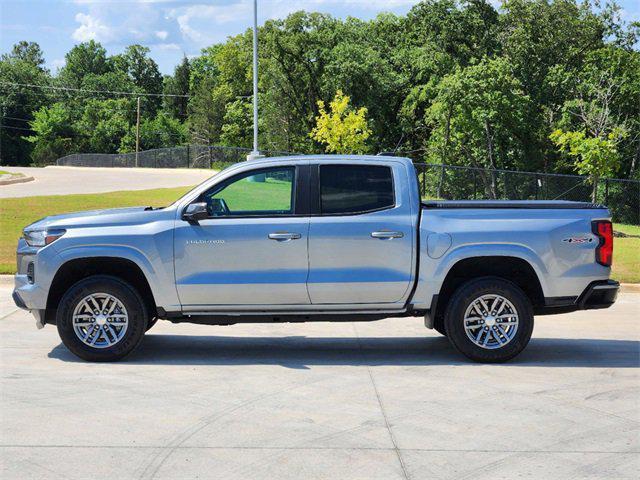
(315, 238)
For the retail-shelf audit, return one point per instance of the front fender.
(158, 275)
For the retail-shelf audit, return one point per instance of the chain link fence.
(436, 181)
(189, 156)
(449, 182)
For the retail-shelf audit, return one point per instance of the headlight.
(40, 238)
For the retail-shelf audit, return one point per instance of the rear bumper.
(600, 294)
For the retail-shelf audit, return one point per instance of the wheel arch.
(514, 269)
(74, 270)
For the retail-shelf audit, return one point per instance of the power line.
(20, 119)
(82, 90)
(16, 128)
(157, 132)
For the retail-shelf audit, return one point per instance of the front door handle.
(284, 236)
(387, 235)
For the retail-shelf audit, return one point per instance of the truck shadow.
(301, 352)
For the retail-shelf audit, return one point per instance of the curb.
(630, 287)
(16, 179)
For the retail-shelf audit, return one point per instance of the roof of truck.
(351, 158)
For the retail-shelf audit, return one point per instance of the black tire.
(126, 294)
(151, 323)
(462, 299)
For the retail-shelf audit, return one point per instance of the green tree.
(477, 117)
(53, 134)
(143, 72)
(21, 67)
(84, 59)
(343, 129)
(178, 84)
(28, 52)
(159, 132)
(596, 157)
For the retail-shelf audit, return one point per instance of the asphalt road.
(68, 180)
(382, 400)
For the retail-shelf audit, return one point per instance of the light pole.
(255, 153)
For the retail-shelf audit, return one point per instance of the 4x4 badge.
(578, 240)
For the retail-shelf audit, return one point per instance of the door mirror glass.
(195, 211)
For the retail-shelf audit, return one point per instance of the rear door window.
(351, 189)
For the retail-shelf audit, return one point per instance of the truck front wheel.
(101, 318)
(489, 319)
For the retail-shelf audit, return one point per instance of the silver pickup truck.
(315, 238)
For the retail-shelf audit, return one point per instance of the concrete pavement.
(68, 180)
(387, 400)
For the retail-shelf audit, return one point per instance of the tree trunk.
(447, 136)
(635, 161)
(492, 186)
(594, 189)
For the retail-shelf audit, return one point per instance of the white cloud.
(91, 28)
(197, 22)
(167, 46)
(171, 26)
(111, 24)
(204, 23)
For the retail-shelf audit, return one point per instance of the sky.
(170, 28)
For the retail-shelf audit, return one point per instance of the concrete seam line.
(382, 409)
(381, 449)
(9, 314)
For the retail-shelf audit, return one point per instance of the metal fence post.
(475, 185)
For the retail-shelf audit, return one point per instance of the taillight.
(604, 251)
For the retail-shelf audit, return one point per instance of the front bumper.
(28, 296)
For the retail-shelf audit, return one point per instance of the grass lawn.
(626, 254)
(15, 213)
(243, 195)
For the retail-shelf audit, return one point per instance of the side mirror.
(195, 212)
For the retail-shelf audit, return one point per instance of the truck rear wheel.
(489, 320)
(101, 318)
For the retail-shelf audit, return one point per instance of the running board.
(230, 318)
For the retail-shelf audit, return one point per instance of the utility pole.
(255, 153)
(138, 132)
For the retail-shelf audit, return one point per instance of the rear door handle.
(385, 235)
(284, 236)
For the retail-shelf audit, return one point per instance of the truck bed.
(511, 204)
